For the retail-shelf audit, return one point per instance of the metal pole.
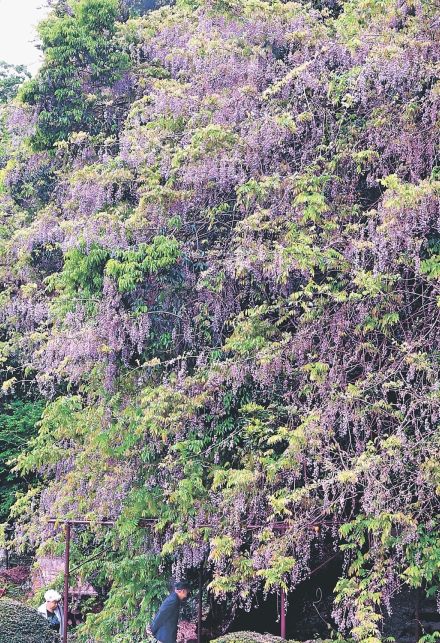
(283, 614)
(418, 628)
(66, 580)
(200, 606)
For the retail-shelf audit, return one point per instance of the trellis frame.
(149, 522)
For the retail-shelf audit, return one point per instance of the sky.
(18, 19)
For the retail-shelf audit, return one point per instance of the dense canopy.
(220, 260)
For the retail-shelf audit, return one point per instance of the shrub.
(249, 637)
(22, 624)
(253, 637)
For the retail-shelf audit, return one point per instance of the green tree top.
(81, 59)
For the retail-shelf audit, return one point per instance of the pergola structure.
(148, 523)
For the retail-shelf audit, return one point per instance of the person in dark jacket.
(164, 625)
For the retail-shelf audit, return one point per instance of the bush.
(253, 637)
(247, 637)
(22, 624)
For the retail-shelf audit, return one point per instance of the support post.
(417, 624)
(283, 614)
(200, 606)
(66, 580)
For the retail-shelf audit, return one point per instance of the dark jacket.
(164, 625)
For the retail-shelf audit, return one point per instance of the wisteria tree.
(226, 285)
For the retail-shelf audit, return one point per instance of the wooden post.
(283, 614)
(200, 606)
(66, 580)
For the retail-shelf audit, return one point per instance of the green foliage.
(251, 332)
(430, 638)
(11, 77)
(60, 420)
(255, 192)
(18, 421)
(310, 198)
(75, 45)
(273, 575)
(301, 248)
(205, 142)
(390, 530)
(137, 589)
(22, 624)
(129, 267)
(82, 277)
(423, 560)
(359, 14)
(80, 280)
(431, 265)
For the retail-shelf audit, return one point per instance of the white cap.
(52, 595)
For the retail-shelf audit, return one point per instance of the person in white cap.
(52, 611)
